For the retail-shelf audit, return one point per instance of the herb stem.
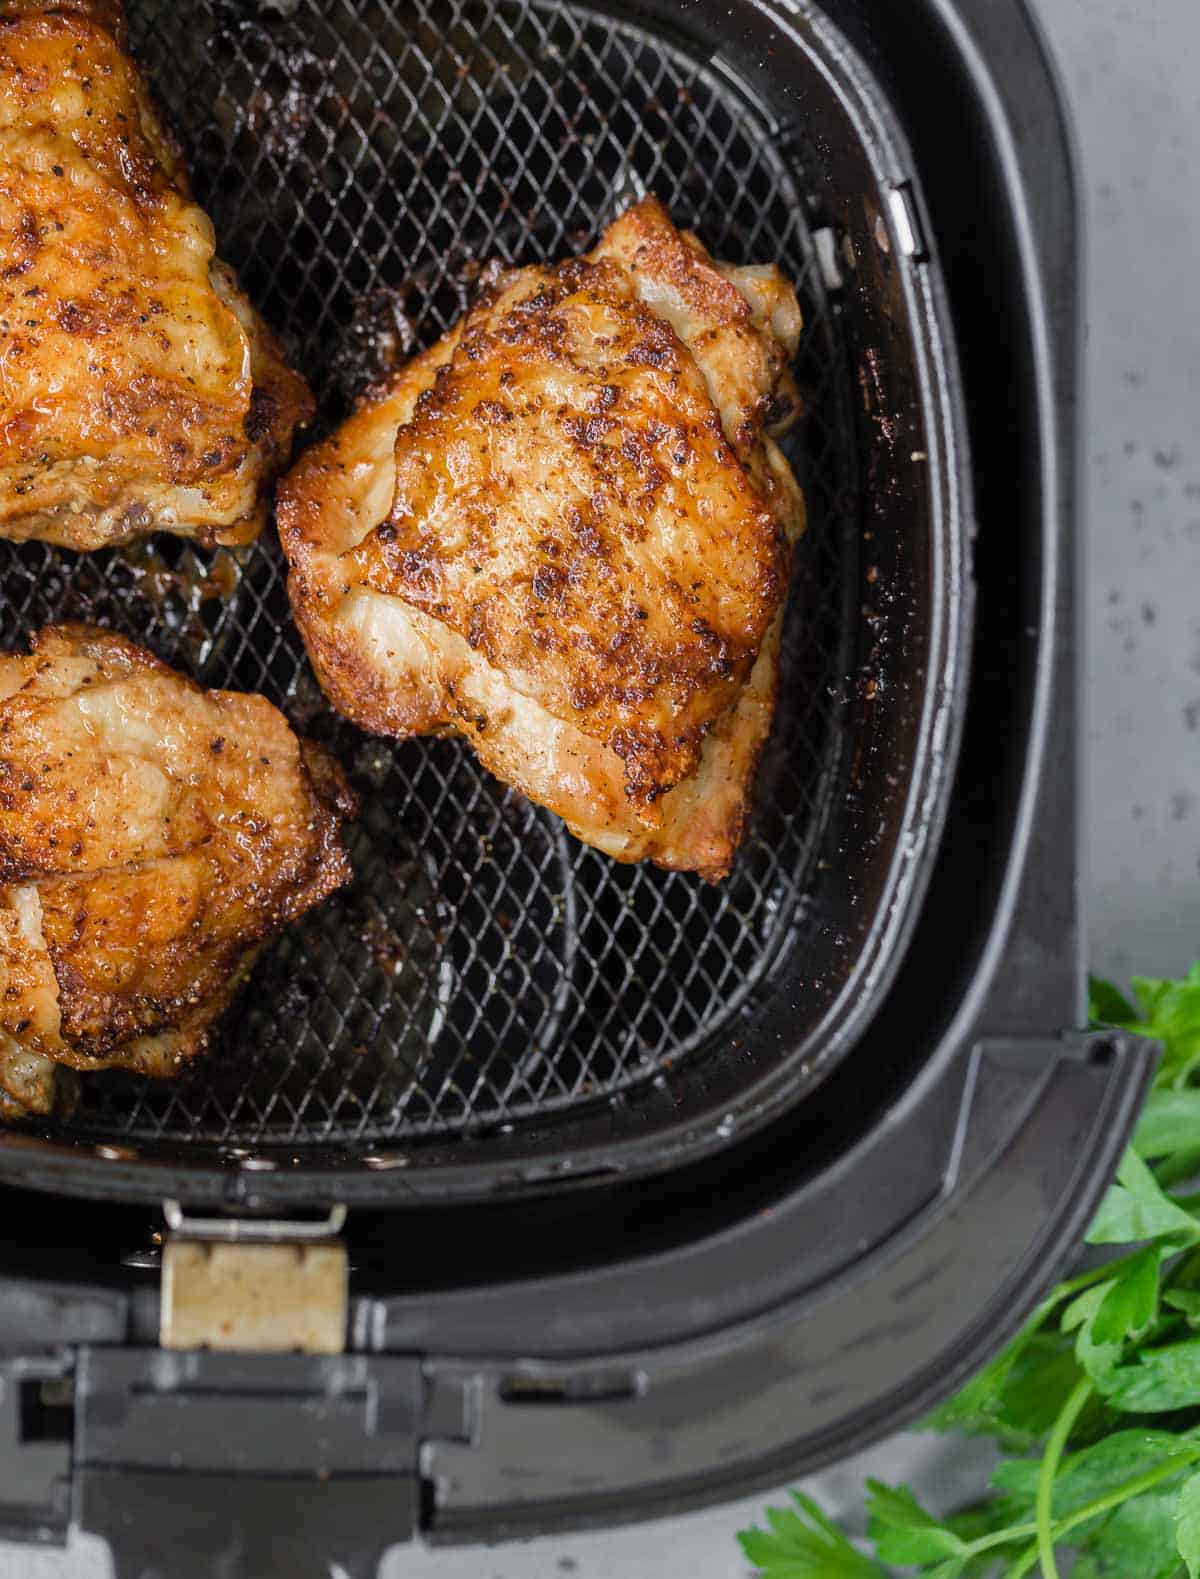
(1023, 1563)
(1127, 1491)
(1045, 1491)
(1004, 1537)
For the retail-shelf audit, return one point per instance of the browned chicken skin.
(153, 835)
(564, 533)
(139, 390)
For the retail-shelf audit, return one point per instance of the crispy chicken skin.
(153, 836)
(139, 390)
(564, 533)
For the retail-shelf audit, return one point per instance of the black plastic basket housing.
(491, 1002)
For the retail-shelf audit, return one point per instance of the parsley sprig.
(1096, 1401)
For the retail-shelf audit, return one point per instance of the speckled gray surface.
(1130, 69)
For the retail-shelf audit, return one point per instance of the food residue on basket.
(189, 591)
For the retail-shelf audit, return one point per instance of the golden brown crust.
(563, 534)
(539, 487)
(107, 14)
(153, 836)
(742, 324)
(141, 389)
(351, 476)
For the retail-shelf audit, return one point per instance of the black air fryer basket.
(657, 1190)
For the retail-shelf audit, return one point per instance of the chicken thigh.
(139, 390)
(564, 532)
(153, 836)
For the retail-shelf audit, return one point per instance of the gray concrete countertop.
(1130, 70)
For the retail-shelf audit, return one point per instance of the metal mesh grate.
(361, 160)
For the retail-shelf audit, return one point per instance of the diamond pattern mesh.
(361, 160)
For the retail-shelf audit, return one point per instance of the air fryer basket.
(491, 1003)
(840, 1133)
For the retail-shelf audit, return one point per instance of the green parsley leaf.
(1187, 1525)
(988, 1517)
(1185, 1273)
(1092, 1472)
(1084, 1306)
(1170, 1122)
(1167, 1010)
(1131, 1303)
(1187, 1300)
(904, 1532)
(805, 1544)
(1170, 1013)
(1042, 1379)
(1095, 1357)
(1137, 1207)
(1135, 1541)
(1160, 1380)
(975, 1408)
(1107, 1006)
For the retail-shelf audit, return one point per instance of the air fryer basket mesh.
(361, 161)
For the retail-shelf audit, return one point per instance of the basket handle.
(177, 1526)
